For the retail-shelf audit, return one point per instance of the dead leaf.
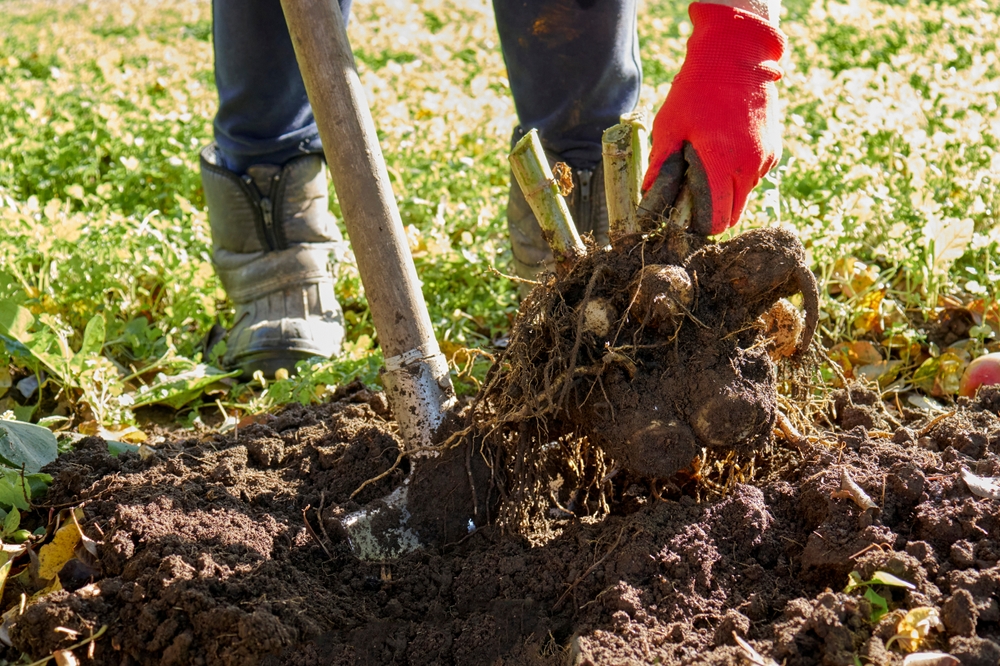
(915, 626)
(951, 365)
(869, 313)
(883, 372)
(750, 655)
(852, 277)
(53, 555)
(86, 542)
(925, 403)
(563, 175)
(852, 491)
(849, 355)
(982, 486)
(981, 315)
(129, 435)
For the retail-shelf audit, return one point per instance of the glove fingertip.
(661, 186)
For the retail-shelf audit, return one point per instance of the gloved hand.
(718, 130)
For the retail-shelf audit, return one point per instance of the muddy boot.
(272, 239)
(588, 206)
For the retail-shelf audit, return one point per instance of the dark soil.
(206, 558)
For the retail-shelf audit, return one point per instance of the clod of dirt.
(652, 351)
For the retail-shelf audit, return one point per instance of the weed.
(879, 603)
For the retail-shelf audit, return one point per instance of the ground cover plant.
(107, 297)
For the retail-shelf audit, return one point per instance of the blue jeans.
(573, 67)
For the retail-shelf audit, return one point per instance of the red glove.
(718, 130)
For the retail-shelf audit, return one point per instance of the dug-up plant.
(652, 349)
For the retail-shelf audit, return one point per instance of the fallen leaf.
(750, 655)
(883, 372)
(86, 542)
(53, 555)
(869, 314)
(982, 486)
(915, 626)
(950, 368)
(981, 315)
(886, 578)
(850, 355)
(925, 403)
(852, 491)
(852, 277)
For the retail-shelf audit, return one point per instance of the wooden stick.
(531, 169)
(416, 379)
(620, 186)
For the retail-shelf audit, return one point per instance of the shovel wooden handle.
(372, 218)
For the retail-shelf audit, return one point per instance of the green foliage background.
(890, 160)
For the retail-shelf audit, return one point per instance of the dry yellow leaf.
(869, 314)
(915, 626)
(59, 551)
(54, 586)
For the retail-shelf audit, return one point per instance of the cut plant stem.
(620, 183)
(531, 169)
(636, 120)
(625, 149)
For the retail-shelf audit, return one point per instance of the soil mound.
(225, 551)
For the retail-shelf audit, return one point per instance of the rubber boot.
(587, 204)
(272, 239)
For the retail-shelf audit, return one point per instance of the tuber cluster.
(653, 349)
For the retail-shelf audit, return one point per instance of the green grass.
(891, 142)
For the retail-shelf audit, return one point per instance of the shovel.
(415, 376)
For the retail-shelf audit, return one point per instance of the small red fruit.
(983, 371)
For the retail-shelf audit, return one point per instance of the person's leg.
(574, 69)
(266, 189)
(264, 114)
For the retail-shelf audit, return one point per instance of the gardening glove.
(718, 131)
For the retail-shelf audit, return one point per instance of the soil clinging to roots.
(654, 351)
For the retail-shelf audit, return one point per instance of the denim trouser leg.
(264, 115)
(573, 67)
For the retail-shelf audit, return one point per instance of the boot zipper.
(585, 223)
(266, 210)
